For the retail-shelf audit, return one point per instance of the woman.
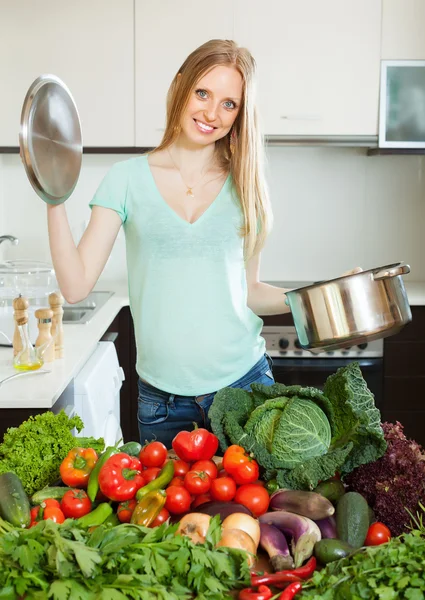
(196, 214)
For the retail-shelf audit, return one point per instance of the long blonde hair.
(246, 162)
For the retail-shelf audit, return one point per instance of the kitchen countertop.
(41, 391)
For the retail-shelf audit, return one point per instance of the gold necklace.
(189, 191)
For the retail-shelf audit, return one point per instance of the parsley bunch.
(64, 562)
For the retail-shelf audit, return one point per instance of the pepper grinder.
(44, 342)
(56, 301)
(20, 315)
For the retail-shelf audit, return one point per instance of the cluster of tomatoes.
(74, 504)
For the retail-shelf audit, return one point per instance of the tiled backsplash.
(334, 208)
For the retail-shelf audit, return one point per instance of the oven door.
(314, 372)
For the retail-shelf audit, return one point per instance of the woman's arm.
(78, 269)
(263, 299)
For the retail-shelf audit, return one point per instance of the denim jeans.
(162, 415)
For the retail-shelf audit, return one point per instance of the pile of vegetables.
(301, 435)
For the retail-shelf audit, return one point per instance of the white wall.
(334, 209)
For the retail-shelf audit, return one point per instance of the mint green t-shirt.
(187, 285)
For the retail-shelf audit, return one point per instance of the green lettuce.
(301, 435)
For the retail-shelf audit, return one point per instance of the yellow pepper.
(148, 508)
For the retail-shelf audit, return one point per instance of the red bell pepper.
(118, 480)
(76, 467)
(199, 444)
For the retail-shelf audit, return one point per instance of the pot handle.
(391, 271)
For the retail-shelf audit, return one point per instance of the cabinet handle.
(301, 117)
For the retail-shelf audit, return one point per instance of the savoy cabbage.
(301, 435)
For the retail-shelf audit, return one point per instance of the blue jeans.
(162, 415)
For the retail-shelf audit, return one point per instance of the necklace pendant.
(190, 193)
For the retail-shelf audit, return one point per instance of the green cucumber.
(56, 492)
(327, 551)
(352, 519)
(131, 448)
(14, 503)
(332, 489)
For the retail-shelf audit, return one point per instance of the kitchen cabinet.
(165, 34)
(403, 30)
(318, 64)
(89, 45)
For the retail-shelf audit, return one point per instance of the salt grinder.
(44, 321)
(56, 301)
(20, 307)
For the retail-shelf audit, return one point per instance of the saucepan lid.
(50, 139)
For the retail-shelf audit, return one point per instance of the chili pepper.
(96, 516)
(148, 508)
(77, 466)
(117, 480)
(291, 591)
(263, 593)
(274, 578)
(199, 444)
(306, 570)
(93, 485)
(164, 477)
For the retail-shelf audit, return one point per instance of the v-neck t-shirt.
(187, 284)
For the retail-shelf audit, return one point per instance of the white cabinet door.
(318, 64)
(403, 30)
(89, 45)
(166, 32)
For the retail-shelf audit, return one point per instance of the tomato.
(253, 496)
(176, 481)
(222, 473)
(197, 482)
(208, 466)
(239, 464)
(75, 504)
(178, 500)
(223, 489)
(150, 474)
(125, 510)
(181, 468)
(55, 514)
(377, 534)
(161, 518)
(35, 517)
(153, 454)
(201, 499)
(50, 502)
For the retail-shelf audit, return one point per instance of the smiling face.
(213, 106)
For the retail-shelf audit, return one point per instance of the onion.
(236, 538)
(194, 526)
(245, 523)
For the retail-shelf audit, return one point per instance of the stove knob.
(283, 343)
(297, 344)
(363, 346)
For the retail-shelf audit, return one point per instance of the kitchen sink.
(83, 312)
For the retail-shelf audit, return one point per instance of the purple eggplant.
(273, 541)
(327, 528)
(307, 504)
(303, 532)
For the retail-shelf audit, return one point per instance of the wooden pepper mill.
(20, 314)
(44, 318)
(56, 301)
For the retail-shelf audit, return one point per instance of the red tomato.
(75, 504)
(153, 455)
(125, 510)
(176, 481)
(161, 518)
(377, 534)
(201, 499)
(178, 500)
(51, 502)
(208, 466)
(222, 473)
(239, 464)
(223, 489)
(34, 514)
(253, 496)
(55, 514)
(197, 482)
(181, 468)
(150, 474)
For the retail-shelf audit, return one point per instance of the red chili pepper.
(306, 570)
(199, 444)
(285, 576)
(263, 593)
(291, 591)
(118, 480)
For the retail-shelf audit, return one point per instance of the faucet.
(9, 238)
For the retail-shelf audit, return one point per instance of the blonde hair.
(246, 162)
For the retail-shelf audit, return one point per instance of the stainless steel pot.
(351, 310)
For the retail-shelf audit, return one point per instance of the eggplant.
(273, 541)
(327, 528)
(304, 532)
(307, 504)
(224, 509)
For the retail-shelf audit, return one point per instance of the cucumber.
(14, 503)
(327, 551)
(131, 448)
(352, 519)
(56, 492)
(333, 490)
